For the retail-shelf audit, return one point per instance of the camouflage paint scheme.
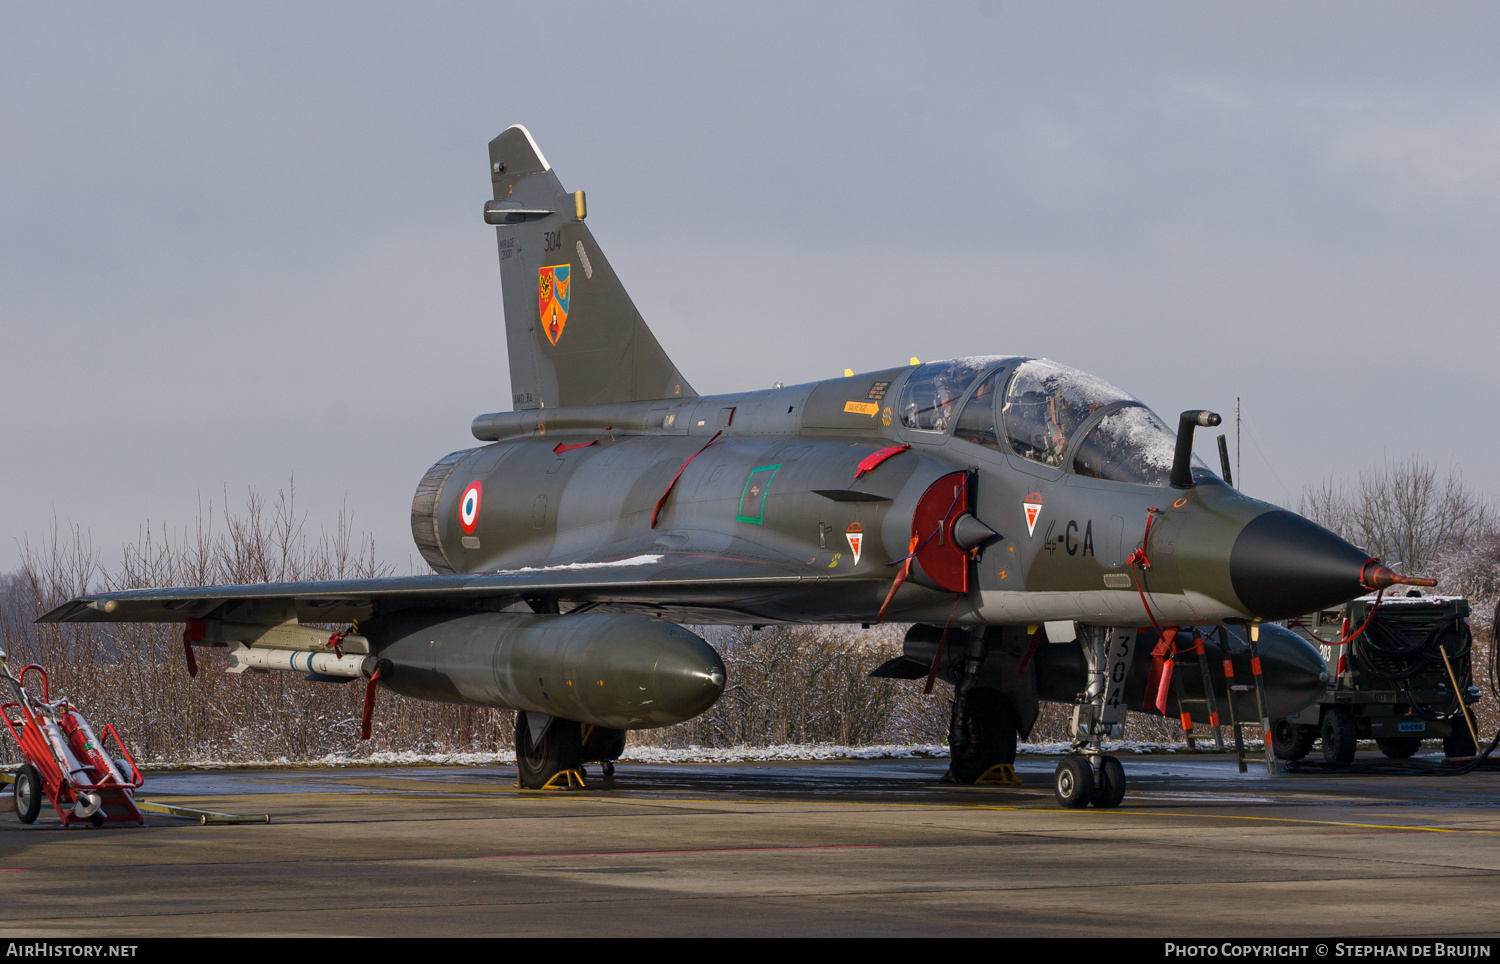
(613, 489)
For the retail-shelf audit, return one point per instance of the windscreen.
(1129, 445)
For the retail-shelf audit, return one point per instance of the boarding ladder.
(1209, 701)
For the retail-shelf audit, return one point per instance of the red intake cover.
(932, 526)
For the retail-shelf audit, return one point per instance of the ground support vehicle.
(65, 762)
(1406, 677)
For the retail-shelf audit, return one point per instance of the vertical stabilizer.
(575, 337)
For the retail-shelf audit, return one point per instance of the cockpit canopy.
(930, 399)
(1047, 413)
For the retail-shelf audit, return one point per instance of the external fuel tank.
(617, 671)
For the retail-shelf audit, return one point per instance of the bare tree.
(1405, 512)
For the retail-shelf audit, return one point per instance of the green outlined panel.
(753, 496)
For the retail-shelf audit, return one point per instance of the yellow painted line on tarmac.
(565, 795)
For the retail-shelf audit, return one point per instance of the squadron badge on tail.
(553, 290)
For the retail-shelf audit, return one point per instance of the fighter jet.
(1040, 528)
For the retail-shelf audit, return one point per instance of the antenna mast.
(1237, 474)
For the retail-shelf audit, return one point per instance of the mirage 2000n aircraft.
(1027, 518)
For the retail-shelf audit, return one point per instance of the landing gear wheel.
(541, 760)
(987, 737)
(1073, 783)
(28, 793)
(1460, 742)
(1109, 784)
(1340, 736)
(609, 769)
(1290, 741)
(1399, 747)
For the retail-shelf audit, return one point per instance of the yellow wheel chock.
(999, 775)
(561, 780)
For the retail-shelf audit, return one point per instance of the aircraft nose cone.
(1282, 566)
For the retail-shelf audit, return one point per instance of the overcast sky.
(244, 243)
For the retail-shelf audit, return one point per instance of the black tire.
(99, 818)
(990, 735)
(1399, 747)
(608, 768)
(1290, 741)
(1109, 789)
(558, 750)
(1340, 736)
(1073, 782)
(1459, 743)
(28, 790)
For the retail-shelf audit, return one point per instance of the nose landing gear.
(1077, 784)
(1089, 778)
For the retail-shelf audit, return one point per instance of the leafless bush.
(133, 675)
(1473, 571)
(809, 684)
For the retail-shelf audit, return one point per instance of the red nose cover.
(932, 526)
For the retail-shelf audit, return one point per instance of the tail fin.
(574, 335)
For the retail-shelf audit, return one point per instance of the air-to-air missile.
(1047, 535)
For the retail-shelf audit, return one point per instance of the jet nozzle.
(1377, 575)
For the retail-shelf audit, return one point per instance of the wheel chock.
(566, 780)
(561, 780)
(999, 775)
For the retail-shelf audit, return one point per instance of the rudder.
(573, 334)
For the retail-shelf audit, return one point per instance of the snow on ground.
(651, 754)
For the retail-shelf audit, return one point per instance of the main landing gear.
(548, 747)
(1088, 777)
(981, 735)
(982, 730)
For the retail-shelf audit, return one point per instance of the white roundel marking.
(468, 507)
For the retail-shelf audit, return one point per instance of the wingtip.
(71, 610)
